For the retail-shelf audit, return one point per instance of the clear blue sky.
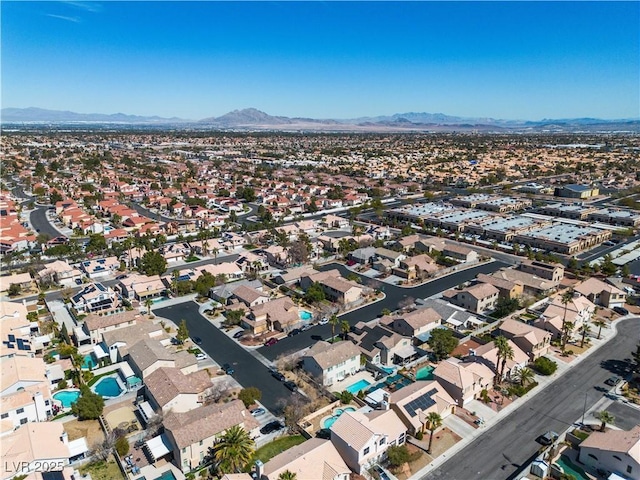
(512, 60)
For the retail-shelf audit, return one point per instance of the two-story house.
(414, 402)
(362, 439)
(331, 362)
(534, 341)
(488, 355)
(464, 381)
(601, 293)
(168, 389)
(417, 324)
(479, 298)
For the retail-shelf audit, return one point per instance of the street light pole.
(584, 409)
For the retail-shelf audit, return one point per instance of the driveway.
(249, 372)
(395, 296)
(506, 448)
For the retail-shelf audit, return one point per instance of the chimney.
(64, 438)
(385, 401)
(259, 469)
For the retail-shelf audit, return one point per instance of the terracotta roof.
(165, 384)
(315, 459)
(616, 441)
(327, 354)
(94, 321)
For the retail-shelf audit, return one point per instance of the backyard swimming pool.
(329, 421)
(305, 316)
(425, 373)
(89, 362)
(108, 387)
(356, 387)
(67, 397)
(569, 467)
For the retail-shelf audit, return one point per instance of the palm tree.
(503, 347)
(567, 328)
(175, 275)
(605, 417)
(600, 322)
(585, 329)
(525, 375)
(148, 303)
(233, 450)
(333, 321)
(434, 421)
(345, 327)
(565, 299)
(287, 475)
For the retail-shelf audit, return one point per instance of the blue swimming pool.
(356, 387)
(67, 397)
(89, 362)
(305, 316)
(108, 387)
(569, 467)
(425, 373)
(329, 421)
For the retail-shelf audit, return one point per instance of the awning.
(475, 321)
(375, 397)
(80, 334)
(126, 370)
(406, 352)
(454, 322)
(99, 352)
(158, 446)
(146, 411)
(78, 447)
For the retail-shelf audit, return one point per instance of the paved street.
(249, 372)
(501, 450)
(394, 297)
(40, 222)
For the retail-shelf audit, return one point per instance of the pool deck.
(347, 382)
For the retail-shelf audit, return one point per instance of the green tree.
(122, 446)
(398, 455)
(183, 331)
(442, 342)
(249, 396)
(148, 303)
(315, 293)
(505, 352)
(505, 306)
(345, 327)
(287, 475)
(605, 418)
(234, 317)
(89, 405)
(233, 450)
(585, 329)
(55, 197)
(599, 322)
(152, 263)
(97, 244)
(525, 376)
(334, 321)
(636, 359)
(434, 421)
(14, 289)
(544, 366)
(565, 299)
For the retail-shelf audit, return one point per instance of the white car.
(323, 321)
(201, 356)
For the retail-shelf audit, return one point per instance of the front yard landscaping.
(279, 445)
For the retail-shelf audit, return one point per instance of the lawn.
(270, 450)
(103, 470)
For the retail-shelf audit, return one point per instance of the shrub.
(249, 396)
(89, 405)
(544, 366)
(62, 384)
(419, 435)
(398, 455)
(346, 397)
(122, 446)
(519, 390)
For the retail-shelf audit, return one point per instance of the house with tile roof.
(95, 297)
(601, 293)
(578, 311)
(168, 389)
(464, 381)
(331, 362)
(479, 298)
(615, 451)
(148, 355)
(190, 434)
(362, 439)
(414, 402)
(96, 325)
(487, 354)
(534, 341)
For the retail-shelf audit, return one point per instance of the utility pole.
(584, 409)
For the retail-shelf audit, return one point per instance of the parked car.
(228, 369)
(547, 438)
(323, 321)
(291, 385)
(351, 263)
(271, 341)
(120, 277)
(621, 310)
(613, 381)
(278, 376)
(238, 334)
(271, 427)
(294, 332)
(197, 340)
(382, 475)
(201, 356)
(258, 412)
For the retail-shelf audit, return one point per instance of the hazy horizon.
(324, 60)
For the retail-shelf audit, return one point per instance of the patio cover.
(126, 370)
(406, 352)
(80, 334)
(454, 322)
(99, 351)
(158, 446)
(375, 397)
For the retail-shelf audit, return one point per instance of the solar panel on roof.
(423, 402)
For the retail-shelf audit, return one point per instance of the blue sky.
(512, 60)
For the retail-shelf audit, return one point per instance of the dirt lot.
(87, 428)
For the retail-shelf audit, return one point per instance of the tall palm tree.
(525, 376)
(148, 303)
(345, 327)
(434, 421)
(567, 328)
(605, 417)
(502, 345)
(175, 275)
(233, 450)
(287, 475)
(584, 329)
(565, 299)
(600, 322)
(333, 321)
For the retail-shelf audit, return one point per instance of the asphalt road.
(502, 451)
(249, 372)
(395, 297)
(156, 216)
(626, 417)
(40, 222)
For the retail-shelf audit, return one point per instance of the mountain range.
(253, 119)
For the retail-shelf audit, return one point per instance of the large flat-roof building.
(564, 238)
(573, 190)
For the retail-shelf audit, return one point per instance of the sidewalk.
(543, 381)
